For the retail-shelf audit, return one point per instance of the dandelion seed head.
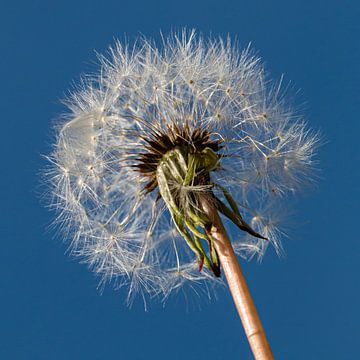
(120, 166)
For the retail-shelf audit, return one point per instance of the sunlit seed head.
(190, 94)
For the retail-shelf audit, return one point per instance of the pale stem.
(238, 287)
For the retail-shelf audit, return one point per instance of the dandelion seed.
(160, 140)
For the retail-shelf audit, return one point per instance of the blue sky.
(308, 301)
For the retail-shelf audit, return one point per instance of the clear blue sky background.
(309, 301)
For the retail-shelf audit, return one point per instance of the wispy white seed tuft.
(127, 235)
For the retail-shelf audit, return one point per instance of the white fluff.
(126, 236)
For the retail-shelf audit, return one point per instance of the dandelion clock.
(163, 147)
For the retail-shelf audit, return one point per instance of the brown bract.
(159, 142)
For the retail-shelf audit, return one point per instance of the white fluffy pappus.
(128, 235)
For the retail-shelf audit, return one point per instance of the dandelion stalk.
(238, 287)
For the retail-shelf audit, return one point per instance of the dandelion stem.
(237, 285)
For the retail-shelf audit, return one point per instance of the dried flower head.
(157, 131)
